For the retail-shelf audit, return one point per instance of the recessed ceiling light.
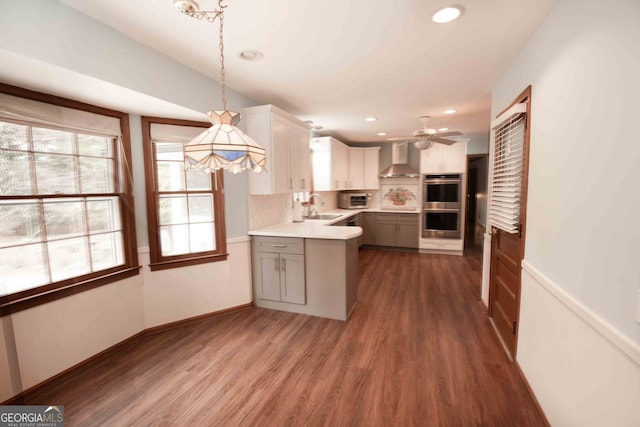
(447, 14)
(382, 134)
(443, 129)
(449, 111)
(370, 119)
(251, 55)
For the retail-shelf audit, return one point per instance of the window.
(65, 200)
(185, 208)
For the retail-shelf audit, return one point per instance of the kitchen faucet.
(313, 210)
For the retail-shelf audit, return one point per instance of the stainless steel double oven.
(442, 196)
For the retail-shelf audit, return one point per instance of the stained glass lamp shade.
(224, 146)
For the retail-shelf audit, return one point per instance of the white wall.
(584, 372)
(583, 65)
(478, 144)
(179, 293)
(43, 341)
(38, 343)
(52, 337)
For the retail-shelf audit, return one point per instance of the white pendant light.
(223, 145)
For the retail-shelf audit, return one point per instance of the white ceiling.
(336, 62)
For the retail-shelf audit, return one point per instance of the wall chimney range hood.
(399, 167)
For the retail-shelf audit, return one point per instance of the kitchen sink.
(322, 216)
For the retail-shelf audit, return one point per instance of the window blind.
(161, 132)
(504, 211)
(40, 113)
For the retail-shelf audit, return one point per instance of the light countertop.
(321, 229)
(310, 229)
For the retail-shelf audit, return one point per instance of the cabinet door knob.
(276, 265)
(284, 264)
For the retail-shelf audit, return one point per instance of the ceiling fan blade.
(402, 138)
(450, 133)
(442, 140)
(425, 132)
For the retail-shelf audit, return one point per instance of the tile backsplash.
(269, 210)
(410, 187)
(278, 208)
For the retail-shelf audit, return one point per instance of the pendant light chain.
(211, 16)
(223, 145)
(221, 47)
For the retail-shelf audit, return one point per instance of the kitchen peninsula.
(308, 267)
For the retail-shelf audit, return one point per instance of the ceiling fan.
(425, 137)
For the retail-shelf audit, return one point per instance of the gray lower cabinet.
(304, 275)
(408, 230)
(369, 228)
(397, 230)
(386, 230)
(278, 267)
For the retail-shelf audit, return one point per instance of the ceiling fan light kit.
(423, 144)
(223, 145)
(424, 138)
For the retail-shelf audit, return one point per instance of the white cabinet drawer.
(442, 244)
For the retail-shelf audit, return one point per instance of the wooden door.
(507, 253)
(505, 286)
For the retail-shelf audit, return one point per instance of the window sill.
(8, 305)
(184, 262)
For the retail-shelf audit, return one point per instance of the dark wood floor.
(417, 351)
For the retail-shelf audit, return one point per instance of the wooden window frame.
(157, 260)
(33, 297)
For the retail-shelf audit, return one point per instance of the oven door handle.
(443, 181)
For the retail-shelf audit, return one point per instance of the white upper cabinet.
(337, 166)
(286, 141)
(442, 158)
(371, 168)
(363, 168)
(299, 159)
(356, 169)
(330, 159)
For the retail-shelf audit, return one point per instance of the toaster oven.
(353, 200)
